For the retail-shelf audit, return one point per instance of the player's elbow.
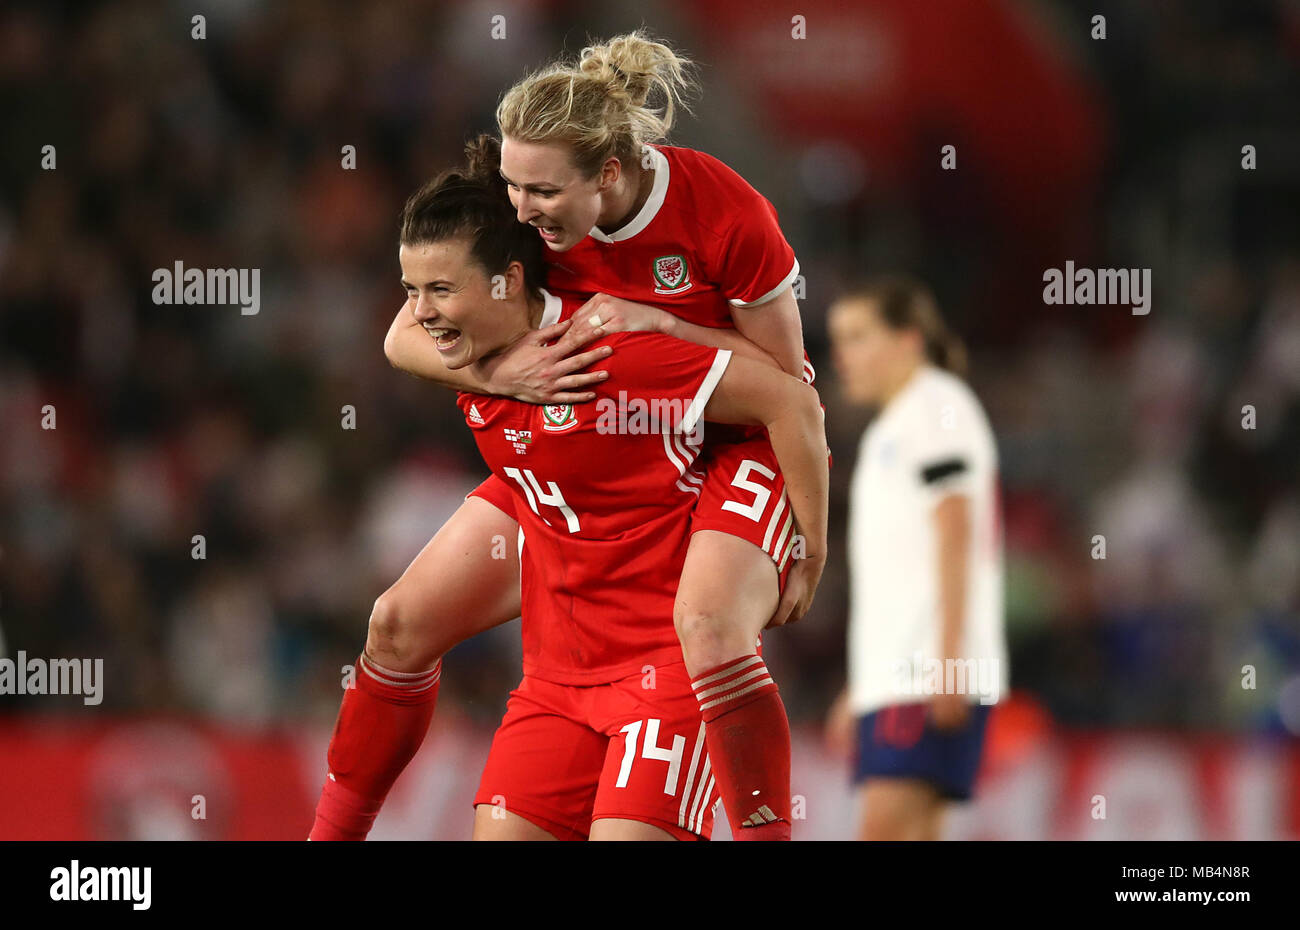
(800, 404)
(792, 363)
(806, 400)
(391, 349)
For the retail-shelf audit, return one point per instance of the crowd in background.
(1174, 435)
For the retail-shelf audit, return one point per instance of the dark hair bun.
(483, 158)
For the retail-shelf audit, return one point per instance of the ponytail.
(904, 302)
(947, 351)
(471, 202)
(600, 105)
(483, 161)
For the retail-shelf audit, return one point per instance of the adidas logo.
(474, 416)
(761, 817)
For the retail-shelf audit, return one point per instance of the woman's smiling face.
(452, 297)
(549, 192)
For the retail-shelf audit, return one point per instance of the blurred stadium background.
(222, 675)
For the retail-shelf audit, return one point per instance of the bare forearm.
(953, 539)
(719, 338)
(798, 437)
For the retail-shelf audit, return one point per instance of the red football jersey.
(604, 504)
(704, 241)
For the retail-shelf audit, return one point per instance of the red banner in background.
(988, 75)
(75, 779)
(178, 779)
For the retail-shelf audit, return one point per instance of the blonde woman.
(926, 650)
(635, 224)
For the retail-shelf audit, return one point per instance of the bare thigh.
(899, 809)
(505, 825)
(727, 593)
(613, 828)
(464, 581)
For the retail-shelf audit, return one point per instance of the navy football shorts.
(900, 741)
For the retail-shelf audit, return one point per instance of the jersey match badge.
(558, 417)
(519, 438)
(671, 274)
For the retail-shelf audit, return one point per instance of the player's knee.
(885, 826)
(695, 626)
(709, 637)
(894, 813)
(392, 638)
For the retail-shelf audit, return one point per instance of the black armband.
(930, 474)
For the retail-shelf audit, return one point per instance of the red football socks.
(748, 737)
(379, 729)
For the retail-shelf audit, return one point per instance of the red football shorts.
(566, 755)
(497, 493)
(744, 496)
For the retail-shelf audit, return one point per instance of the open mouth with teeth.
(549, 233)
(444, 338)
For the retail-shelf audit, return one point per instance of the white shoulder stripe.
(701, 400)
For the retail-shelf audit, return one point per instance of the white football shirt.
(931, 440)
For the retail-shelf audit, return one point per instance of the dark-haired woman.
(926, 652)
